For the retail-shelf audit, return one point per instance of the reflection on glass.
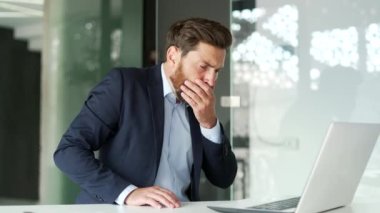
(256, 58)
(284, 24)
(336, 47)
(315, 74)
(372, 36)
(297, 66)
(116, 39)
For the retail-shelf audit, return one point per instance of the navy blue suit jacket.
(123, 118)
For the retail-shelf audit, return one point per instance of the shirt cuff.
(124, 194)
(213, 134)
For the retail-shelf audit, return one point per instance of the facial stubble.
(178, 79)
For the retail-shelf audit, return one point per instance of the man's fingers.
(188, 100)
(197, 89)
(170, 196)
(194, 96)
(154, 196)
(162, 199)
(206, 88)
(152, 202)
(168, 192)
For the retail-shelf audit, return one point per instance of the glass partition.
(296, 66)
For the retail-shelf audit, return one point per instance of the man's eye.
(203, 67)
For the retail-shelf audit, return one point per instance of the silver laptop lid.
(339, 166)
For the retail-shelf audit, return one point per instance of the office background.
(294, 67)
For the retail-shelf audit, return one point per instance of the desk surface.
(191, 207)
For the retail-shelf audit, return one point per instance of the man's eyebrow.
(205, 62)
(208, 64)
(217, 69)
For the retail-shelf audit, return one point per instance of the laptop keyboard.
(279, 205)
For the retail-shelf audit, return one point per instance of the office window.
(296, 66)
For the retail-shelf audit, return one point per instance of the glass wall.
(296, 67)
(83, 40)
(51, 54)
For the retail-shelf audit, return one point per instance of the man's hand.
(200, 96)
(153, 196)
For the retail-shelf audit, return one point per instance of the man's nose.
(210, 78)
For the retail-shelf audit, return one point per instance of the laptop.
(335, 175)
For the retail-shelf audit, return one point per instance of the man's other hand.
(153, 196)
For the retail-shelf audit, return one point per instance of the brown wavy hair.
(186, 34)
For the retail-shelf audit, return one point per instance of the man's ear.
(173, 55)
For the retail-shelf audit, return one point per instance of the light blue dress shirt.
(177, 156)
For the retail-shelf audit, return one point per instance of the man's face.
(203, 63)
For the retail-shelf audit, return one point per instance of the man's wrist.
(121, 199)
(209, 125)
(212, 134)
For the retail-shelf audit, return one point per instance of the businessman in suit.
(155, 128)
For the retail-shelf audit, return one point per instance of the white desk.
(192, 207)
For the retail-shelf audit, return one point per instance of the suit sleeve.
(93, 126)
(219, 162)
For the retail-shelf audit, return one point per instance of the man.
(155, 128)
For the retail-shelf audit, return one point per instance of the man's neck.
(168, 73)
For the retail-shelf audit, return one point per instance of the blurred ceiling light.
(372, 36)
(336, 47)
(284, 24)
(314, 86)
(250, 16)
(24, 1)
(21, 9)
(315, 74)
(267, 56)
(12, 15)
(260, 61)
(235, 27)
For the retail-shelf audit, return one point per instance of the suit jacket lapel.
(156, 97)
